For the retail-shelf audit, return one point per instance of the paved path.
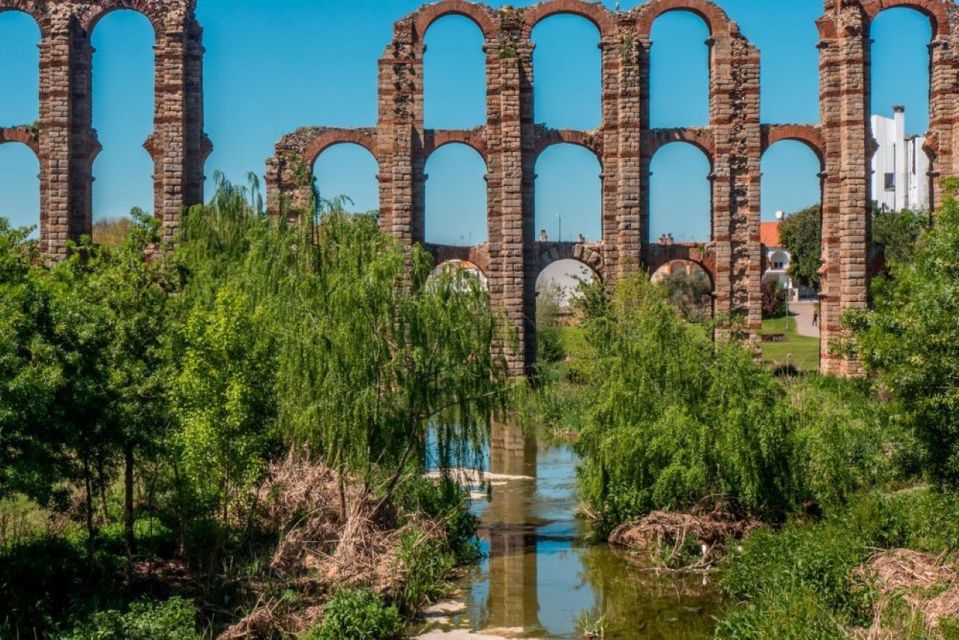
(803, 312)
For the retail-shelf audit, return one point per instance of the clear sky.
(275, 65)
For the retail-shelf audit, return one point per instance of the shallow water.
(540, 578)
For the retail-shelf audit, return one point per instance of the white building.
(900, 168)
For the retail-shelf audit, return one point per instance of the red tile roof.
(769, 234)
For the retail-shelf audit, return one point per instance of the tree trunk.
(88, 486)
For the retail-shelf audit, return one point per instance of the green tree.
(898, 232)
(690, 294)
(801, 235)
(909, 341)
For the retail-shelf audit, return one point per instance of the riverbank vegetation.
(227, 438)
(839, 496)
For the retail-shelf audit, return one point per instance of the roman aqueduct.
(734, 141)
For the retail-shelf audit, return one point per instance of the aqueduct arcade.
(511, 140)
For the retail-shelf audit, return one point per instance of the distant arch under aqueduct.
(511, 140)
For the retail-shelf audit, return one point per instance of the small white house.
(900, 168)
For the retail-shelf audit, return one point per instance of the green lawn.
(801, 351)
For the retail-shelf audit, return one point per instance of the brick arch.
(467, 265)
(661, 255)
(938, 12)
(698, 263)
(434, 139)
(477, 256)
(20, 135)
(699, 137)
(155, 12)
(479, 14)
(596, 13)
(332, 137)
(717, 21)
(809, 135)
(32, 8)
(546, 138)
(589, 255)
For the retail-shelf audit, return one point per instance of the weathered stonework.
(65, 141)
(511, 141)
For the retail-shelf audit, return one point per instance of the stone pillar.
(67, 141)
(622, 135)
(510, 139)
(844, 98)
(178, 145)
(629, 75)
(944, 106)
(734, 119)
(401, 114)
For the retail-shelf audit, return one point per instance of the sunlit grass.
(800, 351)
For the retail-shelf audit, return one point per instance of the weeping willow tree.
(351, 348)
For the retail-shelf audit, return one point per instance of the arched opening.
(20, 186)
(123, 101)
(454, 74)
(791, 201)
(679, 71)
(557, 288)
(569, 195)
(462, 271)
(346, 174)
(680, 195)
(19, 69)
(689, 288)
(900, 84)
(789, 85)
(456, 197)
(567, 66)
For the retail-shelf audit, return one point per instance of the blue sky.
(275, 65)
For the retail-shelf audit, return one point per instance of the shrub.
(801, 582)
(444, 501)
(909, 342)
(775, 299)
(358, 614)
(174, 619)
(426, 563)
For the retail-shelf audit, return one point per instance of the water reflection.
(539, 576)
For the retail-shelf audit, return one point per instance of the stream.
(541, 578)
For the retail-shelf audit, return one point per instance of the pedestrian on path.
(815, 318)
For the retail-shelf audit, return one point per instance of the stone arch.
(434, 139)
(33, 8)
(938, 12)
(809, 135)
(351, 170)
(699, 137)
(156, 13)
(464, 264)
(479, 14)
(325, 138)
(456, 188)
(22, 135)
(568, 163)
(717, 21)
(590, 255)
(600, 16)
(546, 138)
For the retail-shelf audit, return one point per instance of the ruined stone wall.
(65, 141)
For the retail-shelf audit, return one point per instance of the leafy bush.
(174, 619)
(426, 564)
(801, 582)
(444, 501)
(358, 614)
(775, 299)
(909, 342)
(690, 294)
